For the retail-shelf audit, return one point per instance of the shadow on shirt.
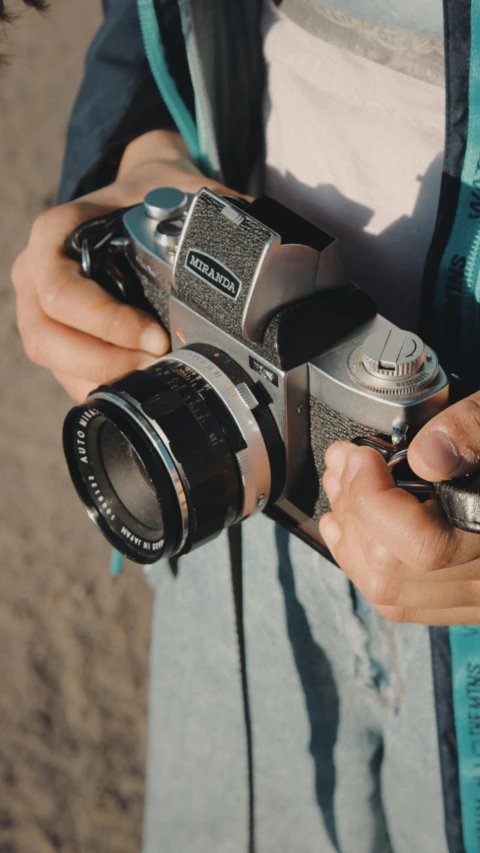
(389, 265)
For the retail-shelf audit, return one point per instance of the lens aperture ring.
(252, 458)
(248, 389)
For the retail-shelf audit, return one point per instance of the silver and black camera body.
(274, 356)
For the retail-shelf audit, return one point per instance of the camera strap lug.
(393, 457)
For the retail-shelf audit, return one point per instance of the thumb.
(449, 445)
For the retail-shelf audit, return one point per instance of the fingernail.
(439, 454)
(154, 340)
(329, 530)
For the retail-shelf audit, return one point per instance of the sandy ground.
(73, 645)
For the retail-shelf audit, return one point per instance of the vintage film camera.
(274, 356)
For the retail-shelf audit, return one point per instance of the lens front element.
(109, 464)
(128, 478)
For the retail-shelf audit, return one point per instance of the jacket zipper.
(158, 64)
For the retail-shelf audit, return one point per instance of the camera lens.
(128, 477)
(124, 486)
(164, 459)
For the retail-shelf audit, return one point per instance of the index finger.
(68, 297)
(52, 227)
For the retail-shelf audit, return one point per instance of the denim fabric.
(115, 67)
(344, 731)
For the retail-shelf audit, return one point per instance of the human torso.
(354, 120)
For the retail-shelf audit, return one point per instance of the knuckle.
(353, 473)
(105, 374)
(31, 344)
(431, 551)
(472, 418)
(16, 271)
(398, 615)
(121, 323)
(30, 331)
(22, 329)
(41, 224)
(110, 369)
(23, 324)
(50, 291)
(473, 406)
(381, 590)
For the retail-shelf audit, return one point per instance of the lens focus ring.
(253, 459)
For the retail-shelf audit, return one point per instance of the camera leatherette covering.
(299, 329)
(327, 426)
(238, 247)
(157, 297)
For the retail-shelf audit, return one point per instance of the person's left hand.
(404, 556)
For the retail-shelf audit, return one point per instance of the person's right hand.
(67, 322)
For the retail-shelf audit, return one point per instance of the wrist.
(162, 146)
(155, 159)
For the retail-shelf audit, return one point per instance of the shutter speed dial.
(394, 362)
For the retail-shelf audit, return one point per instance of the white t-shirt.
(356, 145)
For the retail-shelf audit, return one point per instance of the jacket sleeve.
(118, 100)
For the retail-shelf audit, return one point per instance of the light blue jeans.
(344, 729)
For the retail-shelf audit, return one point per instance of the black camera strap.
(235, 547)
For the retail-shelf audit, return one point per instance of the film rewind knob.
(393, 362)
(392, 354)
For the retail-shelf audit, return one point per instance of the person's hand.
(67, 322)
(403, 555)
